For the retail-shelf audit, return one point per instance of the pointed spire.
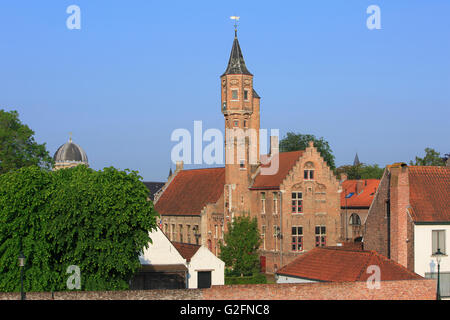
(236, 64)
(170, 172)
(356, 162)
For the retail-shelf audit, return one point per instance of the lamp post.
(21, 264)
(438, 255)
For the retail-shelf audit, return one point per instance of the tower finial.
(236, 20)
(70, 136)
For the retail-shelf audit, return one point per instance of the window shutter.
(435, 241)
(442, 241)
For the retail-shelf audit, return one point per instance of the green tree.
(17, 145)
(242, 241)
(96, 220)
(360, 171)
(432, 158)
(297, 141)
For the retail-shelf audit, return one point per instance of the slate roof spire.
(236, 64)
(356, 162)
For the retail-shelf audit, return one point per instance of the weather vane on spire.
(236, 20)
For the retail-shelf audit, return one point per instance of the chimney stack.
(274, 145)
(359, 186)
(179, 166)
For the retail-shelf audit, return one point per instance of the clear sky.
(137, 70)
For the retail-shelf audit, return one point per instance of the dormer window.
(234, 94)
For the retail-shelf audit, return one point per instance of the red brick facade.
(302, 176)
(389, 290)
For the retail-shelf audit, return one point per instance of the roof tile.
(190, 191)
(336, 264)
(429, 190)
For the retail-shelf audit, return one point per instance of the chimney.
(359, 186)
(274, 145)
(179, 166)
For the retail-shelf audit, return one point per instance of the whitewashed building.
(172, 265)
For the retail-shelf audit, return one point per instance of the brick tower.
(240, 107)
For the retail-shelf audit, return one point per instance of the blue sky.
(137, 70)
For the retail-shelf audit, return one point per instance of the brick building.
(297, 207)
(409, 219)
(356, 198)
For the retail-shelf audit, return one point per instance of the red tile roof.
(364, 198)
(286, 161)
(190, 191)
(429, 193)
(186, 250)
(336, 264)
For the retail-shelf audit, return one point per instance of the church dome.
(69, 155)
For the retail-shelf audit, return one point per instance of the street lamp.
(21, 264)
(438, 255)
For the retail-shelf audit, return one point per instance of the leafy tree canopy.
(432, 158)
(17, 145)
(297, 141)
(360, 171)
(242, 241)
(96, 220)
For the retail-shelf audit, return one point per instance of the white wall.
(286, 279)
(161, 251)
(423, 248)
(205, 260)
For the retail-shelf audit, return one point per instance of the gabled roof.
(190, 191)
(429, 190)
(153, 187)
(186, 250)
(334, 264)
(350, 198)
(286, 161)
(236, 64)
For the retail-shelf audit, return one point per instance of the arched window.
(355, 220)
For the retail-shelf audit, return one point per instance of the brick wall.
(389, 290)
(375, 227)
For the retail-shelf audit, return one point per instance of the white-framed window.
(263, 202)
(276, 235)
(297, 238)
(438, 240)
(188, 231)
(275, 202)
(263, 236)
(222, 231)
(308, 174)
(321, 236)
(297, 202)
(216, 231)
(181, 232)
(234, 94)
